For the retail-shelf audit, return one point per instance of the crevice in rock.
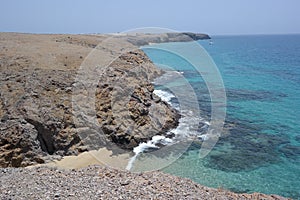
(45, 136)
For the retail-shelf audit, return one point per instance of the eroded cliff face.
(127, 109)
(37, 78)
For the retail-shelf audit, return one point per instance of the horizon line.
(107, 33)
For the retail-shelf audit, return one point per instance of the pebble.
(97, 182)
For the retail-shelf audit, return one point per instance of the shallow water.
(260, 147)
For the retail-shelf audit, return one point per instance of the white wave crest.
(152, 144)
(165, 96)
(188, 127)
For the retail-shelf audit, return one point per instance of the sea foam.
(188, 127)
(152, 144)
(165, 96)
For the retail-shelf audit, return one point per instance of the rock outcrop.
(138, 114)
(145, 39)
(37, 78)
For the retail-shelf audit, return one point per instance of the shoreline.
(102, 157)
(36, 79)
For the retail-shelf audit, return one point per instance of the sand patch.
(103, 157)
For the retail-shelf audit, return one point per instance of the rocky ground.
(38, 77)
(104, 183)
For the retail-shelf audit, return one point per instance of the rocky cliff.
(145, 39)
(38, 73)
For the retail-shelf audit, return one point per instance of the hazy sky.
(104, 16)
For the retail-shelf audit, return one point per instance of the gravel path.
(97, 182)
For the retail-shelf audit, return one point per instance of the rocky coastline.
(38, 74)
(145, 39)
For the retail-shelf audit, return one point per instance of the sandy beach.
(101, 157)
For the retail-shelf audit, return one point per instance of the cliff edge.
(38, 74)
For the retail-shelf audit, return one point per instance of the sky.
(215, 17)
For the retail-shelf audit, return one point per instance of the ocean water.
(259, 150)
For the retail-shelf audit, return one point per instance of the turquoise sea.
(260, 151)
